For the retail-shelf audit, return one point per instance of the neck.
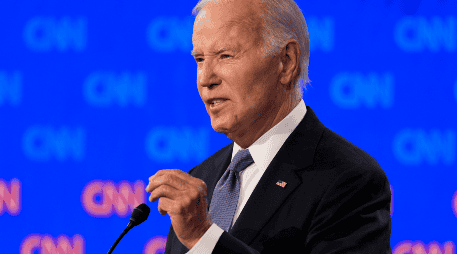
(264, 123)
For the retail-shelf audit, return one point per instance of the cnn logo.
(46, 244)
(409, 247)
(98, 197)
(155, 245)
(10, 195)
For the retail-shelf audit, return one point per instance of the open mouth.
(216, 103)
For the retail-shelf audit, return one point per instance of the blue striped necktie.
(227, 191)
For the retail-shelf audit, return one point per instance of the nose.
(207, 75)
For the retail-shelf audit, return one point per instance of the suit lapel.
(296, 153)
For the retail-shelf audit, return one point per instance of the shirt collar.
(264, 149)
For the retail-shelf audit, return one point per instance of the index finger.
(181, 174)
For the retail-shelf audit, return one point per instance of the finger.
(164, 191)
(197, 182)
(167, 179)
(162, 171)
(165, 205)
(183, 175)
(151, 178)
(176, 172)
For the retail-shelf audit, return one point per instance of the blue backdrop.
(97, 96)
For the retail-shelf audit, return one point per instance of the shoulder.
(344, 159)
(352, 200)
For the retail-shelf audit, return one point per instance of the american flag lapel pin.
(281, 183)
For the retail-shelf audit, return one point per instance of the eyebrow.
(216, 52)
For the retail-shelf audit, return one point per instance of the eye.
(198, 59)
(224, 55)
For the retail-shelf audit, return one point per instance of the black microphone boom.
(139, 214)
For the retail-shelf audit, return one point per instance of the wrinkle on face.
(226, 15)
(246, 78)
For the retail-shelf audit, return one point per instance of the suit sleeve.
(354, 215)
(230, 244)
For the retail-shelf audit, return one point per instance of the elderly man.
(287, 184)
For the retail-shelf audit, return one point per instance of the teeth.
(214, 102)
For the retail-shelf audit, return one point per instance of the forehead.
(230, 35)
(222, 12)
(222, 24)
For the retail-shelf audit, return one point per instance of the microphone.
(139, 214)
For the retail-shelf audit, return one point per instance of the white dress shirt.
(263, 150)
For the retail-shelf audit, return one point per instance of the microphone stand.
(126, 230)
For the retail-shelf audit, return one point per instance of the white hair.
(281, 20)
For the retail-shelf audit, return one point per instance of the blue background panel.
(97, 96)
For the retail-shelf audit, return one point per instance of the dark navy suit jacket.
(337, 199)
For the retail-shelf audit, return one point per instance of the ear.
(290, 62)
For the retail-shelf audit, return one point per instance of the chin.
(220, 127)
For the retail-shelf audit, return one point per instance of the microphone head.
(140, 214)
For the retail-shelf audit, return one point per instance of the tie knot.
(241, 161)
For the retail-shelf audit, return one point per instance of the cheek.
(200, 93)
(227, 70)
(249, 90)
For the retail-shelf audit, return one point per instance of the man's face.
(239, 74)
